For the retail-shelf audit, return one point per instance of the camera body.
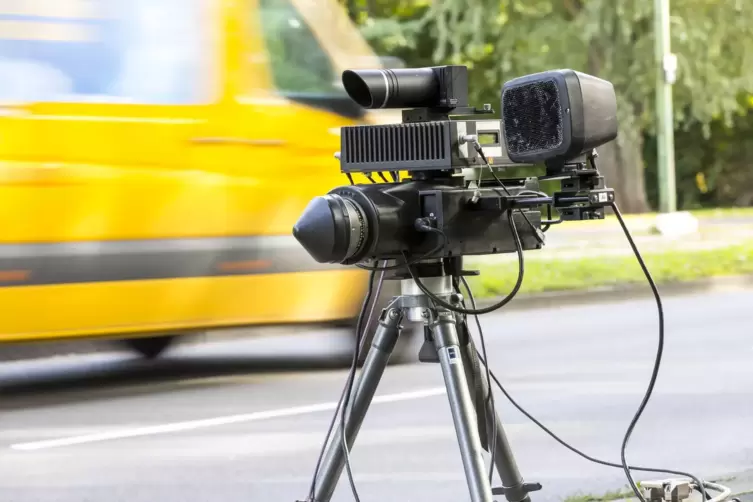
(556, 118)
(379, 221)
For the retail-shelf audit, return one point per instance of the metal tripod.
(447, 342)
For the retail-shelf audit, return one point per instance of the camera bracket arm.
(583, 194)
(583, 197)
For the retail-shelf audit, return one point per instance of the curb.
(610, 294)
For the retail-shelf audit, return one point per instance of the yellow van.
(154, 155)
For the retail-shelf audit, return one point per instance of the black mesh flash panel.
(532, 117)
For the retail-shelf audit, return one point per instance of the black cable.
(577, 451)
(480, 151)
(407, 263)
(623, 465)
(351, 379)
(657, 360)
(490, 398)
(549, 221)
(348, 384)
(503, 302)
(350, 178)
(312, 488)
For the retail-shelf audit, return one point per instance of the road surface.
(242, 420)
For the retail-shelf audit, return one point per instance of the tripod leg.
(514, 489)
(463, 412)
(384, 342)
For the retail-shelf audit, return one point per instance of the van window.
(298, 63)
(130, 51)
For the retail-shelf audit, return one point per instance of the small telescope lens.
(358, 89)
(399, 88)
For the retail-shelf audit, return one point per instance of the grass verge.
(590, 272)
(605, 497)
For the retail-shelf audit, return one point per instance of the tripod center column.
(440, 286)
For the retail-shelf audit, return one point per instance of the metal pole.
(665, 76)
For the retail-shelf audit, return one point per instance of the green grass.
(607, 496)
(666, 266)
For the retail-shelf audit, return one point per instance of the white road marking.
(218, 421)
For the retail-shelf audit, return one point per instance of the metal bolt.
(424, 313)
(393, 313)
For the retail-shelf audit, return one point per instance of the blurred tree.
(502, 39)
(712, 173)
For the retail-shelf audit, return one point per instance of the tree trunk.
(621, 163)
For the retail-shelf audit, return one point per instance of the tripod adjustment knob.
(470, 272)
(526, 488)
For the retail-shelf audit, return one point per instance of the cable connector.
(473, 140)
(468, 138)
(425, 224)
(669, 490)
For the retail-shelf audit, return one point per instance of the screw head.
(393, 313)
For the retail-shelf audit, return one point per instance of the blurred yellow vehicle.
(154, 155)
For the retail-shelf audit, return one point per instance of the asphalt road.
(191, 427)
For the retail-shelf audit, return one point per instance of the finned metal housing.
(420, 146)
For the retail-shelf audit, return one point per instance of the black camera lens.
(333, 229)
(360, 222)
(400, 88)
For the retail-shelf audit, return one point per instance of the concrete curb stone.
(555, 299)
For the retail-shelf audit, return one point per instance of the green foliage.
(614, 39)
(714, 172)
